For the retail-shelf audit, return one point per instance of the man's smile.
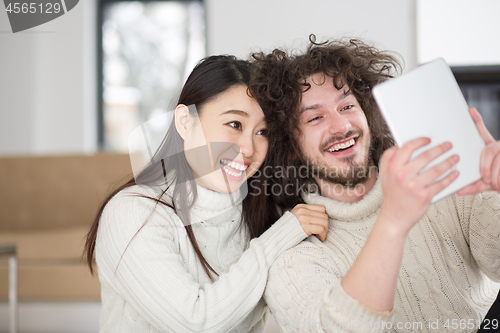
(343, 145)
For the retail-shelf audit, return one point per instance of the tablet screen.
(427, 102)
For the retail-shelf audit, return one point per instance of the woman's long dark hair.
(210, 77)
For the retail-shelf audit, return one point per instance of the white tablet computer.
(427, 102)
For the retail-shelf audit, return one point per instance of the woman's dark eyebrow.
(238, 112)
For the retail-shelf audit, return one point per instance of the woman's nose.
(246, 145)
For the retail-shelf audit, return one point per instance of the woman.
(172, 246)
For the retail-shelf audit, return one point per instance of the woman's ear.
(182, 120)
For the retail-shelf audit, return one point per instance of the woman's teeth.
(240, 168)
(344, 145)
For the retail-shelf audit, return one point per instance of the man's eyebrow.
(319, 105)
(238, 112)
(310, 107)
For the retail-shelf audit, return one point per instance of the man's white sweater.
(152, 280)
(441, 286)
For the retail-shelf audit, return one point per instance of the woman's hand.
(490, 160)
(407, 191)
(313, 219)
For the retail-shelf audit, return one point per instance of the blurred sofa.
(47, 205)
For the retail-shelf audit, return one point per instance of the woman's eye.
(262, 132)
(235, 124)
(313, 119)
(347, 107)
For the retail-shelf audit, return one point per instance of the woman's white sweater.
(152, 280)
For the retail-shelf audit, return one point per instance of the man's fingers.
(387, 156)
(487, 156)
(495, 172)
(437, 171)
(474, 188)
(443, 183)
(483, 131)
(422, 160)
(404, 153)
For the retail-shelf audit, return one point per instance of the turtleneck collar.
(211, 200)
(210, 204)
(342, 211)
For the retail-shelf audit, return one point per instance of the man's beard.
(351, 175)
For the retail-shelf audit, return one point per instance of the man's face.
(335, 138)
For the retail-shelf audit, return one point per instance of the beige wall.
(47, 74)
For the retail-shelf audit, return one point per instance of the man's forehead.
(322, 93)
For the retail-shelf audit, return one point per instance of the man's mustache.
(337, 138)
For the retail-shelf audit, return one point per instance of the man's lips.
(343, 146)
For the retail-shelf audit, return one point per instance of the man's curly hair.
(278, 81)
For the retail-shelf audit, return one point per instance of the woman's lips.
(234, 170)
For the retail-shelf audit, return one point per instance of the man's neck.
(347, 194)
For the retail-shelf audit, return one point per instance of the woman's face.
(227, 143)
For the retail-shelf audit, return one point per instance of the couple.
(186, 246)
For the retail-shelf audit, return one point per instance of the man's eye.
(313, 119)
(235, 124)
(347, 107)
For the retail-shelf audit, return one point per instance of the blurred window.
(481, 88)
(449, 29)
(147, 50)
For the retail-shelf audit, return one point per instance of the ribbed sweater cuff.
(352, 315)
(283, 234)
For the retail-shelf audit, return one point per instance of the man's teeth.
(236, 166)
(344, 145)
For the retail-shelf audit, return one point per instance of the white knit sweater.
(441, 285)
(152, 280)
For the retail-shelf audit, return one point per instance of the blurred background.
(72, 90)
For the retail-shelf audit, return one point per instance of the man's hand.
(490, 160)
(407, 191)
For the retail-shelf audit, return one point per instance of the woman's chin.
(222, 182)
(231, 185)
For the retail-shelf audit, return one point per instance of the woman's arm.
(147, 270)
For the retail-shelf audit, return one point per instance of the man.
(391, 260)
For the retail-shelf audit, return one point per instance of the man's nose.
(338, 124)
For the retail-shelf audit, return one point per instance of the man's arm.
(305, 294)
(306, 289)
(407, 193)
